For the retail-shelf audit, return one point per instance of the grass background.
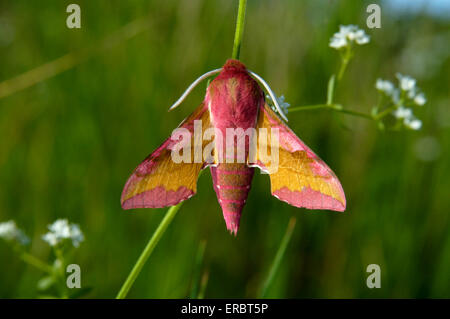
(69, 143)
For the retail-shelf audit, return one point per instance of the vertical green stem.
(330, 90)
(148, 251)
(60, 271)
(343, 68)
(196, 278)
(278, 257)
(346, 56)
(203, 284)
(239, 29)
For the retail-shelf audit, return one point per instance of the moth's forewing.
(159, 181)
(300, 178)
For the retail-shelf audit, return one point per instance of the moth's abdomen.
(232, 183)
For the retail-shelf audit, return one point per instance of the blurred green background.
(69, 143)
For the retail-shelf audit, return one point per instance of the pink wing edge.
(307, 197)
(157, 197)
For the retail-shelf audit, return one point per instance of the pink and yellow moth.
(234, 99)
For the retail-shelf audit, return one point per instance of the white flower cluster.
(10, 232)
(408, 118)
(347, 35)
(61, 230)
(407, 94)
(280, 99)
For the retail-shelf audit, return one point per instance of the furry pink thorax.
(234, 97)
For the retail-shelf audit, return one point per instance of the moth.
(234, 100)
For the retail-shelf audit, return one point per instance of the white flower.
(280, 99)
(348, 34)
(61, 230)
(10, 232)
(420, 99)
(395, 96)
(76, 235)
(403, 113)
(411, 93)
(51, 239)
(408, 118)
(385, 86)
(413, 123)
(406, 94)
(361, 37)
(407, 83)
(338, 43)
(284, 105)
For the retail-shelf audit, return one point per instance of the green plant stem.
(343, 68)
(330, 90)
(171, 212)
(384, 113)
(313, 107)
(203, 284)
(336, 108)
(60, 271)
(239, 29)
(198, 270)
(346, 56)
(35, 262)
(355, 113)
(278, 257)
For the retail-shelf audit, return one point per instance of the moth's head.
(234, 66)
(234, 95)
(233, 75)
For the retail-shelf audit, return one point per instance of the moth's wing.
(158, 181)
(301, 178)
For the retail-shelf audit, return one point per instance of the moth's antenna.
(192, 86)
(272, 95)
